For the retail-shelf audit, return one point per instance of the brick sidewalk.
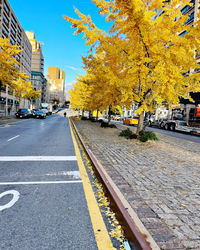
(159, 179)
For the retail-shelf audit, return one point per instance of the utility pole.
(6, 113)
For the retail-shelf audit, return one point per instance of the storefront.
(2, 105)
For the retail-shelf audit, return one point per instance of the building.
(37, 63)
(56, 79)
(192, 12)
(11, 28)
(37, 70)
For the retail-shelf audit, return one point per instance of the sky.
(60, 47)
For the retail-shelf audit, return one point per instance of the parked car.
(117, 118)
(131, 120)
(23, 113)
(33, 112)
(40, 114)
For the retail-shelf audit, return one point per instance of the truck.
(158, 117)
(47, 108)
(176, 121)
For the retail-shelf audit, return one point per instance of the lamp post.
(6, 112)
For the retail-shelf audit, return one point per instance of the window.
(5, 30)
(17, 58)
(18, 40)
(19, 30)
(187, 7)
(191, 17)
(6, 8)
(12, 40)
(13, 31)
(6, 21)
(13, 20)
(183, 33)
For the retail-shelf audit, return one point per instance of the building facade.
(11, 28)
(38, 80)
(56, 79)
(192, 11)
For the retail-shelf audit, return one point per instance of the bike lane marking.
(12, 202)
(100, 231)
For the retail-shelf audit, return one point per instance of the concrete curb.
(137, 232)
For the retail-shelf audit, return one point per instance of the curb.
(134, 228)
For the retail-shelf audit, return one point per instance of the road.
(175, 134)
(42, 200)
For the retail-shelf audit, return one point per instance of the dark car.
(40, 114)
(23, 113)
(33, 112)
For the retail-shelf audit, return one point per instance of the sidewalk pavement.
(160, 180)
(5, 119)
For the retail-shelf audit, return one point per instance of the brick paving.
(159, 179)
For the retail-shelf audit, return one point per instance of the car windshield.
(23, 110)
(183, 123)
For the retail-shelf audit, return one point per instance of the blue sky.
(60, 47)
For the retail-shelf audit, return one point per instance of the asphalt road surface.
(181, 135)
(42, 201)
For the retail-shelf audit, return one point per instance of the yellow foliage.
(141, 59)
(24, 89)
(8, 63)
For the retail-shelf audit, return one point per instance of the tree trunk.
(90, 114)
(140, 123)
(83, 112)
(97, 116)
(109, 114)
(19, 102)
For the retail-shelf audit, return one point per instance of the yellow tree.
(8, 63)
(144, 52)
(24, 89)
(31, 94)
(79, 95)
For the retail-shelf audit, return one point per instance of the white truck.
(177, 123)
(47, 108)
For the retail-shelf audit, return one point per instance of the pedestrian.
(9, 109)
(65, 114)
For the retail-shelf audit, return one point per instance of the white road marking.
(13, 138)
(39, 182)
(72, 174)
(12, 202)
(38, 158)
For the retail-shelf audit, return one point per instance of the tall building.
(192, 11)
(11, 28)
(37, 63)
(56, 78)
(37, 69)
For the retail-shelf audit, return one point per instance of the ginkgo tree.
(24, 89)
(144, 56)
(9, 66)
(17, 81)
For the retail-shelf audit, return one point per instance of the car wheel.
(166, 126)
(172, 127)
(161, 125)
